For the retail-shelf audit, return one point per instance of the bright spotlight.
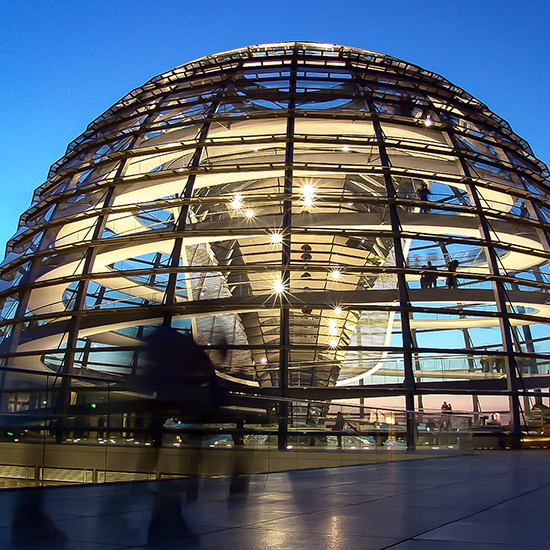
(278, 287)
(237, 201)
(308, 190)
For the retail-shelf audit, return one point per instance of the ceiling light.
(237, 201)
(308, 190)
(308, 202)
(278, 287)
(276, 238)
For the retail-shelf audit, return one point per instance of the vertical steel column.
(22, 303)
(500, 299)
(12, 341)
(284, 318)
(533, 210)
(179, 226)
(67, 366)
(82, 289)
(80, 296)
(91, 253)
(400, 262)
(139, 335)
(417, 362)
(504, 322)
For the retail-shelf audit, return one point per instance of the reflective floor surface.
(492, 499)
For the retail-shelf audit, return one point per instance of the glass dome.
(341, 216)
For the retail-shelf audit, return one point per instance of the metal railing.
(86, 429)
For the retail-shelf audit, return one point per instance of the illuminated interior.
(289, 197)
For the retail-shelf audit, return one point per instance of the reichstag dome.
(347, 221)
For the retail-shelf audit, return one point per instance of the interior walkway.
(492, 499)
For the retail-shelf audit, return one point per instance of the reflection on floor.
(492, 499)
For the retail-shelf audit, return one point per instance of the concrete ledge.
(89, 464)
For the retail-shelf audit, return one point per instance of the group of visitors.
(428, 275)
(490, 363)
(428, 278)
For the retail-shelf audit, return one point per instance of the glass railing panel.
(89, 429)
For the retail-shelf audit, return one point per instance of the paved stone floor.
(492, 500)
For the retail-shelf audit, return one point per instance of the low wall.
(93, 464)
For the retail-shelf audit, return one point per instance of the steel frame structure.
(276, 194)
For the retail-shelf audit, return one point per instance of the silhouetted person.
(424, 277)
(431, 275)
(487, 363)
(446, 409)
(423, 194)
(339, 427)
(500, 364)
(178, 369)
(452, 266)
(181, 376)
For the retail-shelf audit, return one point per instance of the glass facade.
(340, 216)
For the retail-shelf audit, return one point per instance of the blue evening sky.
(65, 62)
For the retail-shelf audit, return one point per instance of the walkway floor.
(492, 500)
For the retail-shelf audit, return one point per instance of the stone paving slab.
(493, 499)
